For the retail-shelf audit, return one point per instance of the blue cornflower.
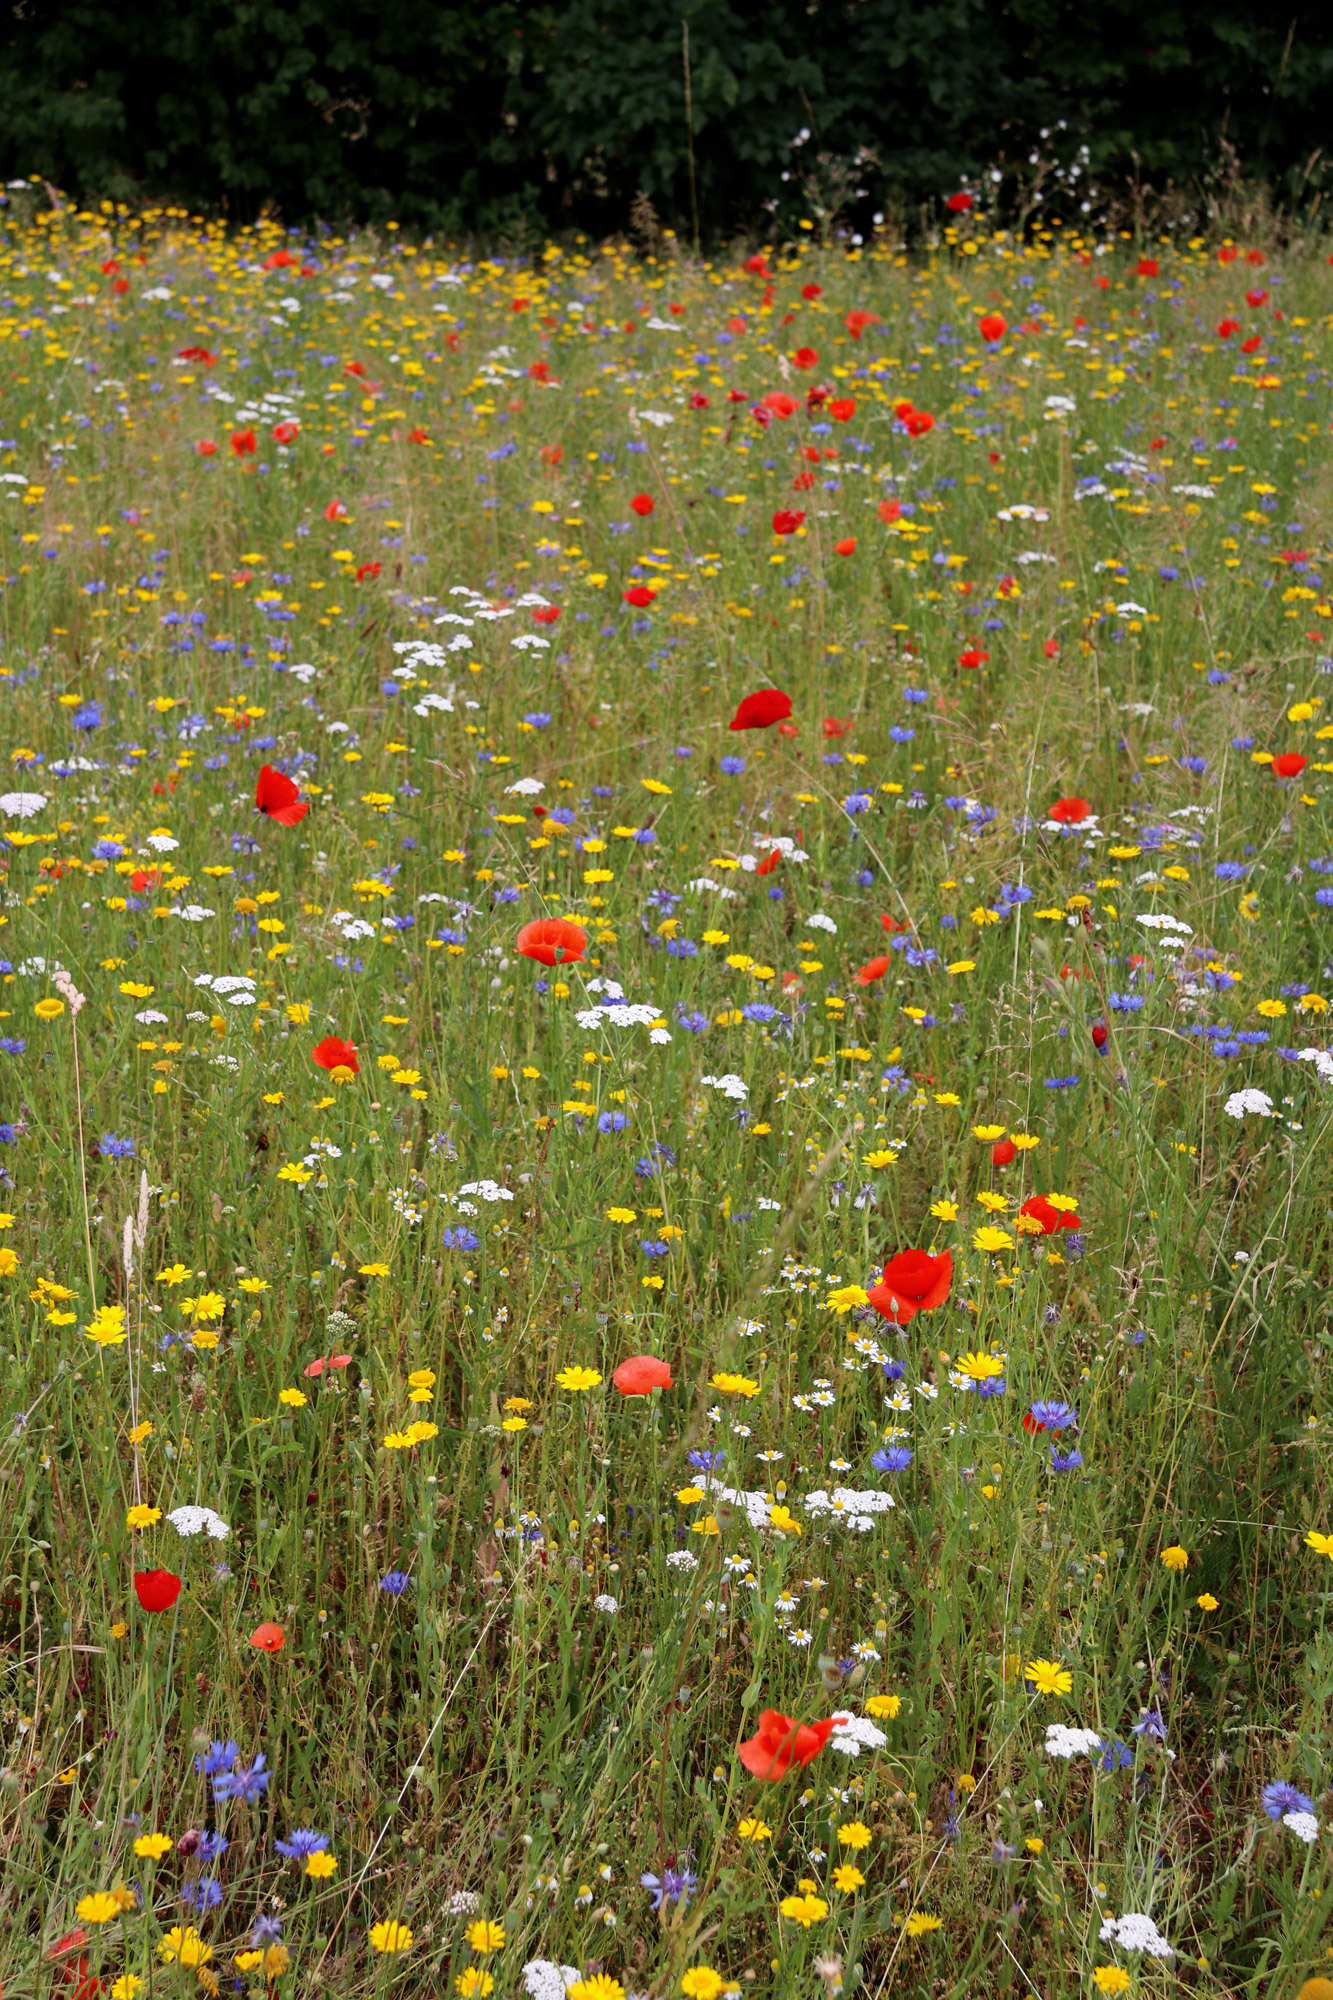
(682, 948)
(675, 1886)
(1113, 1755)
(113, 1148)
(645, 1168)
(1150, 1723)
(507, 895)
(915, 694)
(268, 1929)
(205, 1894)
(1231, 871)
(1124, 1003)
(754, 1010)
(299, 1846)
(12, 1045)
(894, 1370)
(218, 1757)
(731, 766)
(857, 802)
(892, 1458)
(539, 719)
(395, 1582)
(1054, 1417)
(248, 1782)
(1324, 898)
(612, 1121)
(706, 1461)
(1195, 764)
(1069, 1461)
(1242, 743)
(107, 850)
(652, 1249)
(212, 1846)
(994, 1385)
(460, 1239)
(1280, 1797)
(898, 734)
(1061, 1082)
(88, 716)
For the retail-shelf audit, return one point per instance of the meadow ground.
(960, 1629)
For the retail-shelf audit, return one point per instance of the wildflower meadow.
(665, 1114)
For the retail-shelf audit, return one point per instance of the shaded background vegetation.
(509, 118)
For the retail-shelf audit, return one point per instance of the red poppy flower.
(1255, 257)
(335, 511)
(639, 596)
(1289, 765)
(891, 924)
(545, 614)
(918, 423)
(539, 371)
(1069, 812)
(1050, 1218)
(761, 709)
(286, 433)
(960, 202)
(1051, 648)
(842, 409)
(973, 657)
(873, 969)
(769, 862)
(333, 1053)
(1252, 345)
(244, 443)
(316, 1368)
(913, 1282)
(698, 401)
(1099, 1034)
(805, 357)
(837, 726)
(370, 569)
(780, 1742)
(857, 322)
(206, 448)
(418, 436)
(1256, 299)
(269, 1637)
(846, 547)
(110, 267)
(120, 286)
(277, 797)
(993, 327)
(812, 291)
(787, 520)
(757, 266)
(737, 396)
(200, 355)
(889, 510)
(1227, 254)
(1226, 327)
(156, 1589)
(641, 1374)
(1147, 267)
(278, 260)
(1002, 1153)
(642, 504)
(780, 403)
(552, 941)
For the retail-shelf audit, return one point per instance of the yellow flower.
(119, 1630)
(175, 1274)
(688, 1495)
(847, 1296)
(320, 1866)
(1321, 1544)
(805, 1910)
(734, 1385)
(1025, 1141)
(143, 1517)
(126, 1986)
(655, 785)
(600, 1987)
(514, 1424)
(184, 1946)
(209, 1305)
(620, 1214)
(577, 1379)
(483, 1935)
(9, 1263)
(1034, 1845)
(884, 1706)
(1175, 1558)
(99, 1908)
(995, 1204)
(991, 1240)
(1049, 1677)
(944, 1211)
(1110, 1979)
(847, 1878)
(920, 1923)
(254, 1285)
(292, 1398)
(883, 1156)
(390, 1936)
(988, 1134)
(1271, 1009)
(980, 1367)
(855, 1834)
(152, 1846)
(472, 1981)
(49, 1010)
(783, 1520)
(373, 1270)
(107, 1327)
(297, 1174)
(702, 1983)
(950, 1097)
(753, 1829)
(1206, 1602)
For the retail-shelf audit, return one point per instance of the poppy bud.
(1099, 1034)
